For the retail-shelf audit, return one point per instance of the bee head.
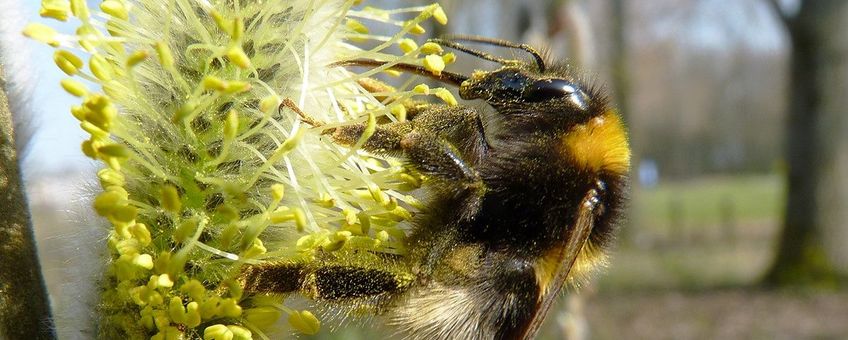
(522, 92)
(527, 93)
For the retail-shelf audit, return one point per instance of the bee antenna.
(452, 42)
(445, 76)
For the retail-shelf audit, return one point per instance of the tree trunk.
(619, 56)
(817, 182)
(24, 309)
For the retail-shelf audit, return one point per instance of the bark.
(815, 135)
(24, 307)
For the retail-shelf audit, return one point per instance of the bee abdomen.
(496, 300)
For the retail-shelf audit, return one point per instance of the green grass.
(709, 201)
(698, 234)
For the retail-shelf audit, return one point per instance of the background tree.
(24, 307)
(815, 145)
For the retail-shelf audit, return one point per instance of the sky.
(55, 146)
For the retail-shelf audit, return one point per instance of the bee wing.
(574, 241)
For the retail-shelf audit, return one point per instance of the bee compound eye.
(547, 89)
(510, 83)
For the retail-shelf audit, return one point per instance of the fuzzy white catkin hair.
(205, 171)
(73, 307)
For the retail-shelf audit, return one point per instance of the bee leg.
(385, 140)
(424, 142)
(459, 126)
(436, 156)
(439, 158)
(273, 278)
(326, 282)
(379, 89)
(290, 104)
(440, 122)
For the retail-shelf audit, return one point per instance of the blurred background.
(739, 127)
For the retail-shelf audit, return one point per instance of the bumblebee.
(520, 201)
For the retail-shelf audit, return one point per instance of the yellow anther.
(165, 281)
(140, 232)
(277, 192)
(238, 30)
(42, 33)
(56, 9)
(184, 230)
(185, 110)
(356, 26)
(214, 83)
(262, 317)
(74, 87)
(137, 57)
(431, 48)
(110, 177)
(407, 45)
(166, 58)
(192, 318)
(88, 38)
(417, 29)
(449, 58)
(223, 24)
(421, 89)
(399, 111)
(176, 311)
(305, 322)
(114, 8)
(231, 125)
(439, 15)
(445, 95)
(170, 199)
(230, 308)
(79, 9)
(237, 56)
(350, 216)
(67, 62)
(209, 307)
(256, 248)
(144, 260)
(393, 73)
(269, 103)
(240, 333)
(237, 86)
(114, 150)
(382, 236)
(434, 64)
(217, 332)
(100, 67)
(194, 289)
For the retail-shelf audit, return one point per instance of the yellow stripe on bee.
(545, 270)
(600, 144)
(547, 267)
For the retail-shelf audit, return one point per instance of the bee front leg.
(386, 139)
(423, 141)
(290, 104)
(379, 89)
(440, 159)
(436, 156)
